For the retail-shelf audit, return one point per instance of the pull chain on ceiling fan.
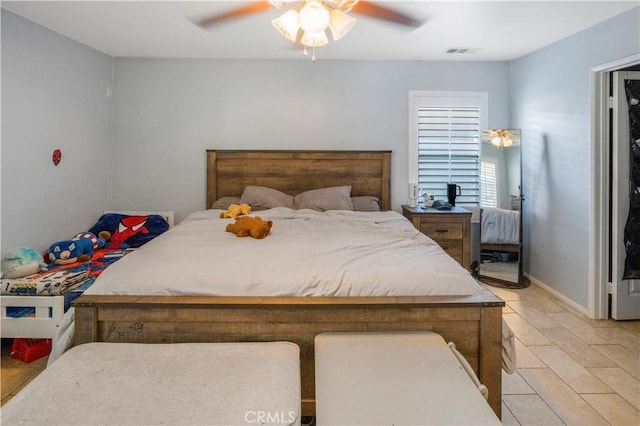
(308, 20)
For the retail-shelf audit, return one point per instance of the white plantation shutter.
(489, 184)
(449, 152)
(447, 128)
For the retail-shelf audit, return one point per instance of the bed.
(43, 324)
(46, 313)
(500, 230)
(473, 320)
(33, 306)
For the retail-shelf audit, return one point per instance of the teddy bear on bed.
(246, 226)
(236, 210)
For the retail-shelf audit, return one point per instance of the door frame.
(598, 298)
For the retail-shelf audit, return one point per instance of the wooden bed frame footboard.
(472, 322)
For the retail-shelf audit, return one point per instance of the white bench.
(395, 378)
(168, 384)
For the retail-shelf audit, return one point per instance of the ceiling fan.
(306, 21)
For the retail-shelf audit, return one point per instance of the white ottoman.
(169, 384)
(394, 378)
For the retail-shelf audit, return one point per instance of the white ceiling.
(498, 30)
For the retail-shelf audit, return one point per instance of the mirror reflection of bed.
(500, 260)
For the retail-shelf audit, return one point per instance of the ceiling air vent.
(462, 50)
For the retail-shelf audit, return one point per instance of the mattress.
(152, 384)
(307, 253)
(500, 226)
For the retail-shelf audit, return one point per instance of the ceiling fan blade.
(379, 12)
(249, 9)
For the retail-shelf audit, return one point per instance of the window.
(445, 142)
(488, 183)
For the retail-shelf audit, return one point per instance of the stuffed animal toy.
(20, 262)
(250, 226)
(104, 235)
(236, 210)
(124, 231)
(78, 249)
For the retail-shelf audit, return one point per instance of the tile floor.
(571, 370)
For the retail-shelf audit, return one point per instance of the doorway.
(625, 196)
(605, 286)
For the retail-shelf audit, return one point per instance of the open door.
(625, 301)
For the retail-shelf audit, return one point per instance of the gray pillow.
(261, 196)
(366, 203)
(334, 198)
(224, 202)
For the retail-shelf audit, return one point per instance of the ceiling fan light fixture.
(310, 19)
(507, 142)
(314, 39)
(313, 17)
(501, 138)
(500, 142)
(340, 24)
(287, 24)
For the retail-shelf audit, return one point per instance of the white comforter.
(500, 226)
(334, 253)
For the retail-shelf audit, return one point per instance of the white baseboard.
(559, 295)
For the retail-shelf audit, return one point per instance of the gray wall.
(53, 96)
(145, 148)
(551, 104)
(168, 111)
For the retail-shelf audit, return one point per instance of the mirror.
(501, 200)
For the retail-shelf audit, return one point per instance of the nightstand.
(450, 229)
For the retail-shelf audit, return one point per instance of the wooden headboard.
(293, 172)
